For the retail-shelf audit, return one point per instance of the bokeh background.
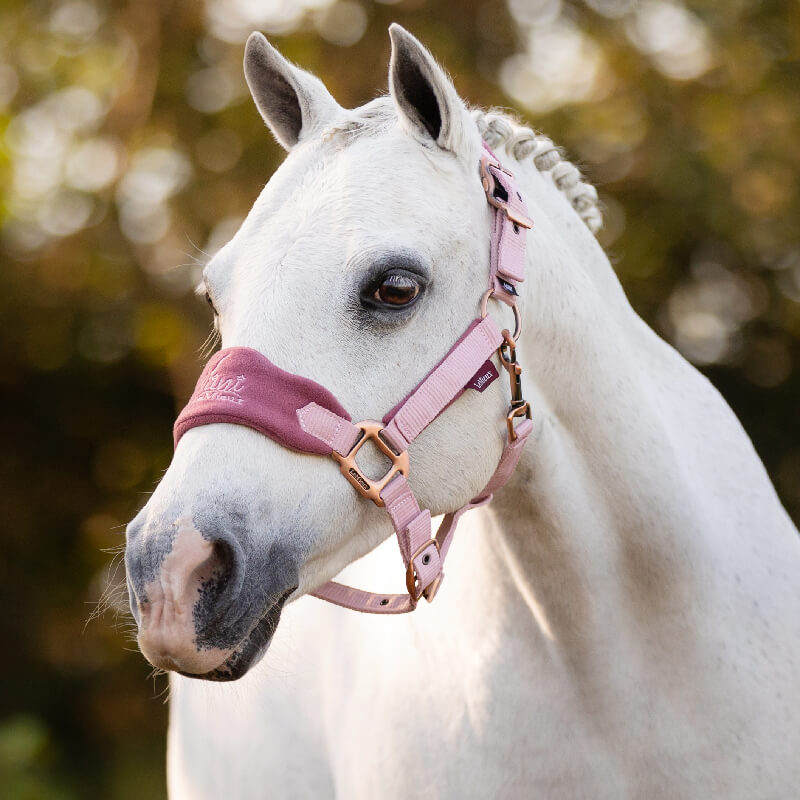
(129, 150)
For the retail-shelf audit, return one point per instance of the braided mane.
(522, 142)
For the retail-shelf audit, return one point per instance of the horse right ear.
(424, 96)
(293, 103)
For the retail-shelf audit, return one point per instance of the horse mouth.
(250, 650)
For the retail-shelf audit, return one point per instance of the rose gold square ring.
(371, 430)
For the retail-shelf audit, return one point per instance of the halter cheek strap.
(241, 386)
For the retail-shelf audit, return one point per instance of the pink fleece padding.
(243, 387)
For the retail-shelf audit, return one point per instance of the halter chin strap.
(241, 386)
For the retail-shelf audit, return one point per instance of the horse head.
(358, 266)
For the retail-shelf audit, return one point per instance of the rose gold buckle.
(518, 219)
(369, 488)
(411, 575)
(523, 410)
(431, 591)
(488, 182)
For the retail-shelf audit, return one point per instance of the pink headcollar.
(241, 386)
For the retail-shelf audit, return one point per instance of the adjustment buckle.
(489, 182)
(522, 409)
(412, 578)
(364, 485)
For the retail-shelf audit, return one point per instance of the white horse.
(623, 621)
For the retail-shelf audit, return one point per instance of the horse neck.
(606, 518)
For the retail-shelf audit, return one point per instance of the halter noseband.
(241, 386)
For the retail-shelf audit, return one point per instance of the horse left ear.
(424, 96)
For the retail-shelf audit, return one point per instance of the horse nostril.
(219, 577)
(223, 557)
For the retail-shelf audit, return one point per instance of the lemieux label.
(483, 377)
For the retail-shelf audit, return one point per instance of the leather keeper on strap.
(510, 225)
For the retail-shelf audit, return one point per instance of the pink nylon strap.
(337, 432)
(444, 384)
(413, 529)
(510, 225)
(505, 468)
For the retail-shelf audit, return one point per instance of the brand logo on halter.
(483, 377)
(219, 386)
(361, 482)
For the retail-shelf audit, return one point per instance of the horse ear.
(293, 103)
(423, 94)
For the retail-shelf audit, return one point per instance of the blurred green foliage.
(128, 147)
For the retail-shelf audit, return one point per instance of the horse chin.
(250, 650)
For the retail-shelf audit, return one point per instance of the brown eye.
(211, 303)
(397, 290)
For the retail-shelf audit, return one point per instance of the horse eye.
(211, 303)
(397, 290)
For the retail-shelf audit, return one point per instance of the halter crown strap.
(510, 225)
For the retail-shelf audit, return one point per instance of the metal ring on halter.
(517, 316)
